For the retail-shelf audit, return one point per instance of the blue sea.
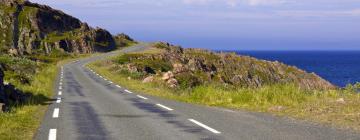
(338, 67)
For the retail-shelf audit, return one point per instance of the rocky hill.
(123, 40)
(186, 68)
(29, 28)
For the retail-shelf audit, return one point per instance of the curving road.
(87, 106)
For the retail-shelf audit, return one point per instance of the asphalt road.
(87, 106)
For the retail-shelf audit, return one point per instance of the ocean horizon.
(338, 67)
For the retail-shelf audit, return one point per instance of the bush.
(187, 80)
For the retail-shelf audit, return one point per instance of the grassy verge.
(23, 120)
(285, 100)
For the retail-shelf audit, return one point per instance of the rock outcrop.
(192, 67)
(29, 28)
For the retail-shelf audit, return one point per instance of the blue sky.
(227, 24)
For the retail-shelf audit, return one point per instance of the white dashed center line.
(60, 93)
(165, 107)
(58, 100)
(56, 113)
(205, 126)
(60, 87)
(128, 91)
(52, 134)
(142, 97)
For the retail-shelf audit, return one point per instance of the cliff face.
(192, 67)
(28, 28)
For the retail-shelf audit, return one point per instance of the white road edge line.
(52, 134)
(205, 126)
(60, 93)
(128, 91)
(118, 86)
(142, 97)
(167, 108)
(56, 113)
(58, 100)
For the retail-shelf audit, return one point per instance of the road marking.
(110, 82)
(60, 83)
(58, 100)
(101, 77)
(52, 134)
(60, 87)
(205, 126)
(128, 91)
(105, 79)
(60, 92)
(142, 97)
(118, 86)
(167, 108)
(56, 113)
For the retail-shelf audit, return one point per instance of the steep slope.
(29, 28)
(186, 68)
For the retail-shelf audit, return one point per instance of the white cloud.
(233, 3)
(196, 1)
(319, 13)
(265, 2)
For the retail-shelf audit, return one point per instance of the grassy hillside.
(338, 107)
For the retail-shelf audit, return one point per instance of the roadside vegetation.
(335, 107)
(34, 76)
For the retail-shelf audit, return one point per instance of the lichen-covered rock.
(29, 28)
(148, 79)
(168, 75)
(173, 83)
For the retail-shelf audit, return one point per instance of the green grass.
(317, 106)
(22, 122)
(56, 37)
